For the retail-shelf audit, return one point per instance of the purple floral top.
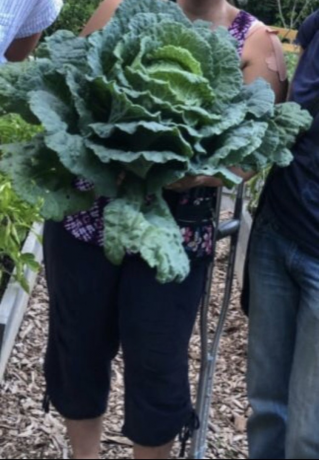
(198, 235)
(241, 27)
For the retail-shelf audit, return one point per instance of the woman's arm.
(263, 57)
(21, 48)
(101, 17)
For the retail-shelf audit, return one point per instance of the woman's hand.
(193, 182)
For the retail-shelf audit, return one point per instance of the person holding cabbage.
(95, 306)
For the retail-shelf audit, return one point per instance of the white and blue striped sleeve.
(43, 14)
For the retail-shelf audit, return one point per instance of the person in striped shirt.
(21, 25)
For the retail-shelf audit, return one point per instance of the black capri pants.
(95, 308)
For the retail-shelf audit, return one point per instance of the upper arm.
(101, 17)
(263, 58)
(30, 21)
(21, 48)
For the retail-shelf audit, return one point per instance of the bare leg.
(157, 453)
(85, 437)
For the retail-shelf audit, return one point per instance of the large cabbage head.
(139, 92)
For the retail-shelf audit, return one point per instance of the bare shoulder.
(263, 57)
(101, 16)
(261, 42)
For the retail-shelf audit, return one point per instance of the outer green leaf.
(239, 143)
(272, 148)
(229, 178)
(271, 141)
(233, 115)
(51, 111)
(131, 8)
(282, 157)
(110, 103)
(143, 136)
(132, 46)
(81, 162)
(78, 87)
(38, 176)
(255, 162)
(165, 174)
(64, 47)
(140, 162)
(225, 74)
(260, 99)
(291, 120)
(16, 80)
(147, 230)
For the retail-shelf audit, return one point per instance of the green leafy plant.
(16, 216)
(291, 13)
(291, 61)
(154, 95)
(284, 13)
(74, 15)
(14, 129)
(254, 188)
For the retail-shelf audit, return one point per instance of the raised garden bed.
(15, 300)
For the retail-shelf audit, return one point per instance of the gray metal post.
(210, 352)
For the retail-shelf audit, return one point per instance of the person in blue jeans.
(283, 376)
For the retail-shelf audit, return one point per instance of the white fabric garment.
(23, 18)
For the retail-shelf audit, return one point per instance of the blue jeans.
(283, 375)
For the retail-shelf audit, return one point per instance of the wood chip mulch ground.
(25, 433)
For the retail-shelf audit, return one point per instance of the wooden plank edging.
(15, 301)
